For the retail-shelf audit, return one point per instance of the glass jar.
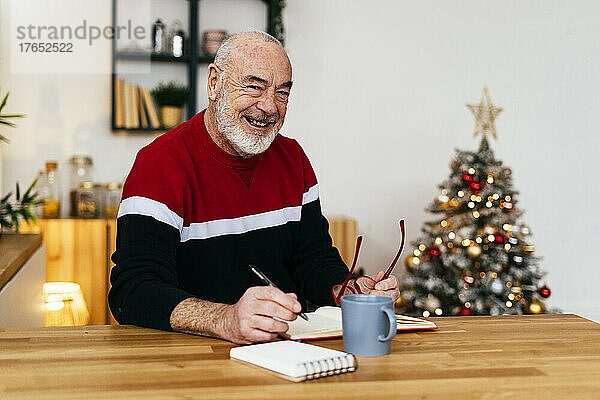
(100, 190)
(113, 198)
(176, 40)
(50, 189)
(38, 210)
(81, 171)
(88, 204)
(159, 37)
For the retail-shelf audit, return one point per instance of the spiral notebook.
(296, 361)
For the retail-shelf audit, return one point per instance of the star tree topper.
(485, 115)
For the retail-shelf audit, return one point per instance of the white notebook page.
(325, 319)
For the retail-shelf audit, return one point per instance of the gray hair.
(224, 52)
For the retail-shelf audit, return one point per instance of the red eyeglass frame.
(366, 280)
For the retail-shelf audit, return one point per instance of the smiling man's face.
(252, 99)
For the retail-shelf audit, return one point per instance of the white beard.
(245, 144)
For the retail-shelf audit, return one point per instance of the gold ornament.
(412, 262)
(485, 115)
(474, 251)
(535, 307)
(401, 302)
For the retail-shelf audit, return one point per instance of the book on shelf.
(326, 322)
(134, 107)
(140, 102)
(119, 120)
(295, 361)
(129, 103)
(152, 114)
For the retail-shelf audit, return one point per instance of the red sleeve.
(156, 187)
(144, 280)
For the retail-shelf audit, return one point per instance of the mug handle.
(393, 325)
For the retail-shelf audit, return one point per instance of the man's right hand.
(252, 318)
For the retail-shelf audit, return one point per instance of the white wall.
(379, 105)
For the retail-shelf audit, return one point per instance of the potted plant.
(170, 98)
(11, 211)
(4, 118)
(4, 121)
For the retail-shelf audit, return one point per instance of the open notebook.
(326, 322)
(295, 361)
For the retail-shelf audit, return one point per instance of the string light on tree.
(535, 307)
(477, 257)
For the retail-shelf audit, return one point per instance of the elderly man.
(217, 193)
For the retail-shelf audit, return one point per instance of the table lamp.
(65, 305)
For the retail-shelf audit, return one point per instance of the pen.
(267, 281)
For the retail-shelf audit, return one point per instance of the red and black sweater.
(192, 217)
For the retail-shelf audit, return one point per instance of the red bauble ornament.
(465, 311)
(475, 186)
(499, 239)
(544, 291)
(467, 178)
(434, 252)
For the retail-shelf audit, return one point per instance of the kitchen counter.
(15, 250)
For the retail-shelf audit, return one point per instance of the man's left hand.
(387, 287)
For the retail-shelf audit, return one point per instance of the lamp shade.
(65, 305)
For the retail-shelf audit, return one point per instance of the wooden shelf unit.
(79, 250)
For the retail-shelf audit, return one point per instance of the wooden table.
(15, 249)
(508, 357)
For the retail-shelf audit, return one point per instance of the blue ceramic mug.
(369, 324)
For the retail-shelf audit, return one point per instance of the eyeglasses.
(364, 283)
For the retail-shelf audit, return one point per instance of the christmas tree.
(477, 257)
